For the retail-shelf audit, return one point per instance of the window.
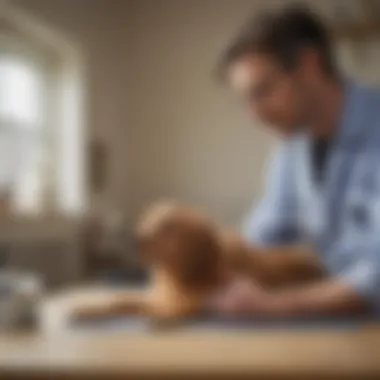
(22, 123)
(41, 129)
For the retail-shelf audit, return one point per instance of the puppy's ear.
(143, 246)
(200, 256)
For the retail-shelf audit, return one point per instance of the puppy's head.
(180, 240)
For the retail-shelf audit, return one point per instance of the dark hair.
(282, 34)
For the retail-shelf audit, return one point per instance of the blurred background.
(108, 105)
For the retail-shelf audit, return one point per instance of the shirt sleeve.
(358, 262)
(364, 278)
(356, 259)
(274, 219)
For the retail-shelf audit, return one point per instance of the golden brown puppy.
(191, 258)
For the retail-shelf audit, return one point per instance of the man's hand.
(328, 297)
(243, 297)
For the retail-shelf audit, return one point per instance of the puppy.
(190, 259)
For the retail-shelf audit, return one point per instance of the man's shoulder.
(361, 116)
(368, 123)
(366, 88)
(368, 96)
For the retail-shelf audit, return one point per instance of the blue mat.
(221, 323)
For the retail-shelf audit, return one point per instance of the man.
(324, 181)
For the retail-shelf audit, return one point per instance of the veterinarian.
(323, 184)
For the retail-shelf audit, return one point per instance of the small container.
(20, 297)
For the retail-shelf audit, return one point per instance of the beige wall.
(190, 139)
(171, 130)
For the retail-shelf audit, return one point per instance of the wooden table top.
(269, 354)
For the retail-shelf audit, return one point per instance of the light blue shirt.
(341, 218)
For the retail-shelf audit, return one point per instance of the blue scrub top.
(341, 218)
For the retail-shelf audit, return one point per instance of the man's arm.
(350, 289)
(329, 297)
(274, 219)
